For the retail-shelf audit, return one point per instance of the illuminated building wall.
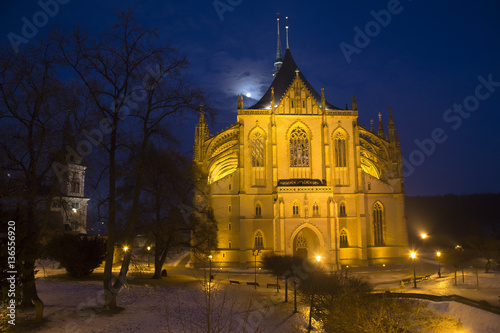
(296, 175)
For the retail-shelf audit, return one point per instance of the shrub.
(79, 255)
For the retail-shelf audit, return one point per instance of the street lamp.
(318, 259)
(210, 269)
(423, 235)
(255, 253)
(413, 256)
(438, 254)
(125, 248)
(149, 249)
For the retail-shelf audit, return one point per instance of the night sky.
(429, 57)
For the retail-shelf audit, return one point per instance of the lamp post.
(438, 254)
(209, 310)
(255, 253)
(149, 249)
(413, 255)
(210, 269)
(318, 259)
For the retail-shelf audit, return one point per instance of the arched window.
(299, 148)
(343, 239)
(340, 152)
(259, 241)
(301, 241)
(378, 222)
(342, 211)
(258, 210)
(295, 209)
(257, 143)
(315, 209)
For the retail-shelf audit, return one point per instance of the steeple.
(380, 126)
(371, 126)
(239, 104)
(323, 102)
(354, 103)
(68, 138)
(286, 27)
(200, 135)
(392, 134)
(279, 58)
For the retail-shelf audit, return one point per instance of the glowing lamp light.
(424, 236)
(149, 248)
(318, 258)
(413, 254)
(125, 248)
(210, 257)
(74, 210)
(438, 254)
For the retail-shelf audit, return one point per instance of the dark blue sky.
(425, 60)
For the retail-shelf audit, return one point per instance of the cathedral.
(296, 175)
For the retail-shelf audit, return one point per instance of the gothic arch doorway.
(306, 244)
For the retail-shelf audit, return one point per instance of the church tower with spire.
(70, 205)
(297, 175)
(279, 58)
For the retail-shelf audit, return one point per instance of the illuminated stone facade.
(296, 175)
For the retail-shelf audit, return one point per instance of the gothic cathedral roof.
(282, 82)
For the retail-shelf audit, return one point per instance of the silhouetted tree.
(136, 85)
(33, 106)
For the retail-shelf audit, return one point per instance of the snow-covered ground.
(178, 304)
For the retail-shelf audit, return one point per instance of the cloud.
(240, 75)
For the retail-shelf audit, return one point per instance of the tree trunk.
(157, 274)
(160, 256)
(109, 292)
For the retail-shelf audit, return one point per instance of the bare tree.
(33, 104)
(136, 85)
(167, 184)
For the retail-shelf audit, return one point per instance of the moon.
(249, 95)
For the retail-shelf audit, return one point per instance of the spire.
(323, 102)
(354, 103)
(200, 135)
(272, 99)
(279, 58)
(371, 125)
(398, 143)
(239, 103)
(202, 116)
(287, 46)
(380, 126)
(68, 135)
(392, 134)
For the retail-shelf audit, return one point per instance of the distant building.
(69, 207)
(297, 175)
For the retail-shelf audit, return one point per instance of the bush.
(79, 255)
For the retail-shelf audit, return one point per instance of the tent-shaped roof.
(282, 82)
